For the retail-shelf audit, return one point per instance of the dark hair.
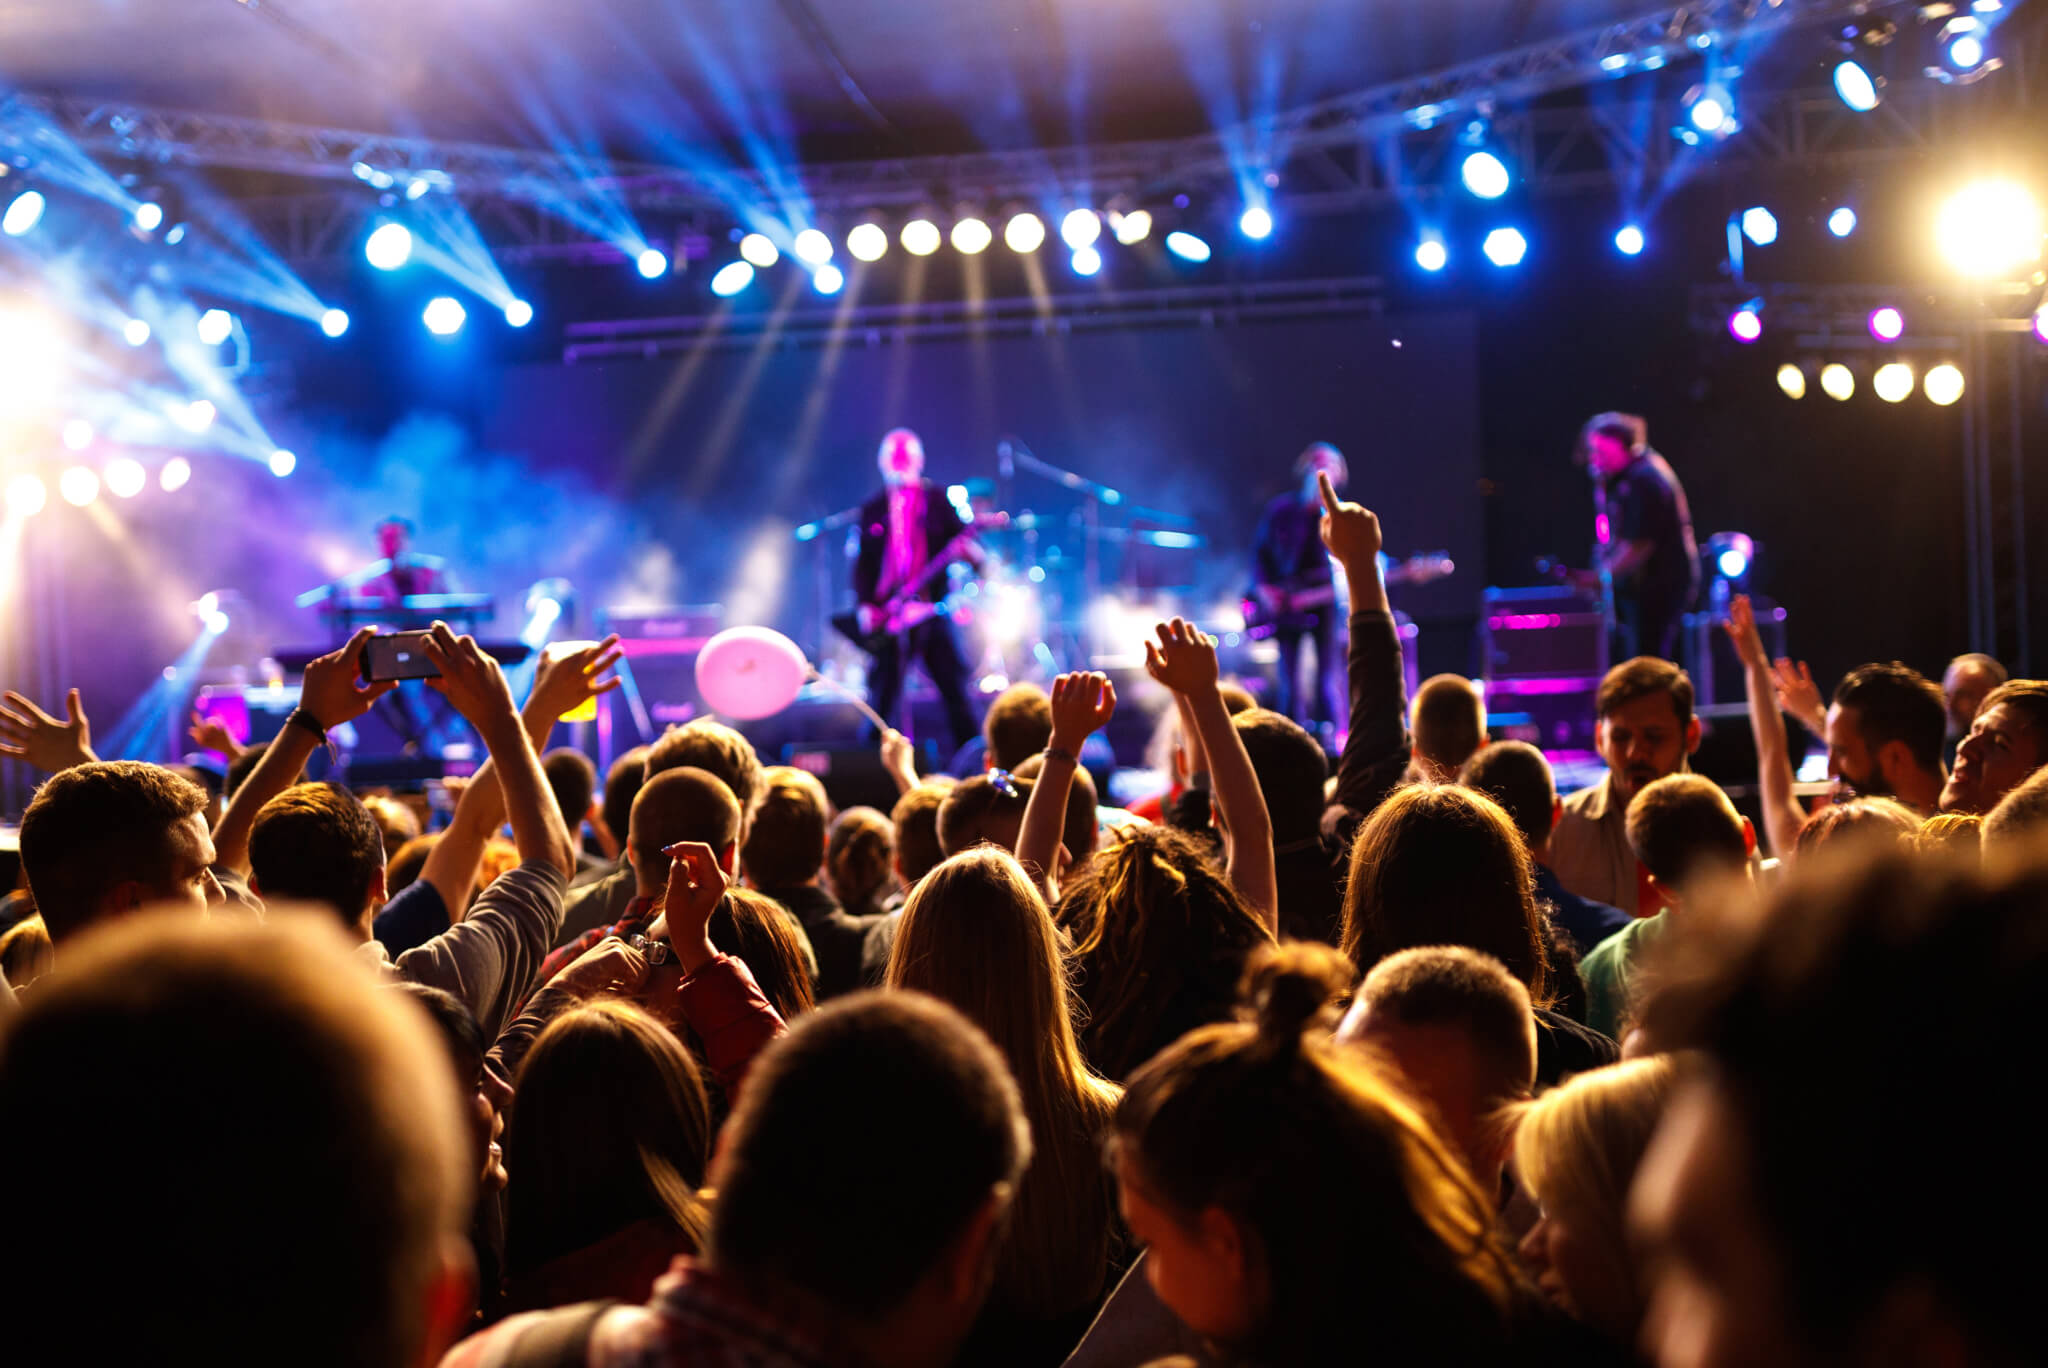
(574, 779)
(1626, 428)
(861, 855)
(408, 862)
(1236, 698)
(94, 827)
(1894, 703)
(857, 1227)
(1450, 720)
(1860, 820)
(964, 814)
(1440, 865)
(457, 1026)
(1309, 1148)
(680, 805)
(1452, 985)
(755, 928)
(318, 843)
(1018, 725)
(1682, 826)
(621, 786)
(1860, 972)
(1290, 767)
(1640, 678)
(710, 745)
(1080, 828)
(2028, 698)
(916, 818)
(785, 846)
(1517, 776)
(242, 766)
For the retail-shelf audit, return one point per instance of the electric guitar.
(1300, 609)
(904, 609)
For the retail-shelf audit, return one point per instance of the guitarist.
(1288, 560)
(901, 528)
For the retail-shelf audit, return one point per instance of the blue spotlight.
(1505, 247)
(812, 246)
(1187, 246)
(149, 217)
(216, 326)
(1630, 241)
(334, 322)
(135, 332)
(1842, 222)
(827, 279)
(1962, 44)
(1431, 254)
(444, 316)
(731, 278)
(1256, 223)
(1087, 261)
(24, 213)
(1485, 175)
(283, 463)
(1855, 86)
(651, 262)
(1710, 109)
(389, 247)
(1760, 225)
(518, 313)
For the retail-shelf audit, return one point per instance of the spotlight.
(1989, 229)
(1080, 228)
(1962, 44)
(2041, 324)
(1087, 261)
(26, 495)
(518, 313)
(1505, 247)
(1431, 254)
(78, 434)
(79, 485)
(1836, 381)
(24, 213)
(197, 416)
(651, 263)
(827, 279)
(444, 316)
(812, 246)
(1855, 86)
(334, 322)
(1256, 223)
(759, 251)
(1842, 222)
(1710, 109)
(1745, 325)
(1732, 564)
(176, 474)
(971, 236)
(176, 235)
(1731, 554)
(148, 217)
(135, 332)
(1630, 241)
(1187, 246)
(283, 463)
(1943, 385)
(1485, 175)
(1760, 225)
(731, 278)
(215, 326)
(1792, 380)
(1893, 382)
(867, 242)
(125, 477)
(390, 247)
(1887, 324)
(1133, 227)
(1024, 232)
(920, 237)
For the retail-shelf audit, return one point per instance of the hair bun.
(1287, 988)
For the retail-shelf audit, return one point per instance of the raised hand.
(1184, 657)
(696, 886)
(1742, 632)
(1350, 530)
(899, 758)
(330, 691)
(470, 680)
(208, 734)
(1082, 704)
(567, 680)
(609, 968)
(1799, 695)
(28, 733)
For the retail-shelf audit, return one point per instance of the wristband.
(301, 718)
(1062, 753)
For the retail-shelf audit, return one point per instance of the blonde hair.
(975, 935)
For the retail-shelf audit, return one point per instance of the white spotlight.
(444, 316)
(1760, 225)
(216, 326)
(1893, 382)
(24, 213)
(390, 247)
(1485, 175)
(26, 495)
(1080, 228)
(1992, 228)
(79, 485)
(1024, 233)
(651, 263)
(518, 313)
(827, 279)
(971, 237)
(757, 249)
(283, 463)
(1842, 222)
(149, 217)
(1505, 247)
(920, 237)
(1087, 261)
(1431, 254)
(176, 474)
(1256, 223)
(1187, 246)
(1855, 86)
(1711, 110)
(1133, 227)
(197, 416)
(135, 332)
(1630, 241)
(1943, 385)
(731, 278)
(334, 322)
(125, 477)
(812, 246)
(867, 242)
(78, 434)
(1837, 382)
(1792, 380)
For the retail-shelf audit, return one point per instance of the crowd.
(1414, 1061)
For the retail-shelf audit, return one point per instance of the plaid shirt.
(640, 914)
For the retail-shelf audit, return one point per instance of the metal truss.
(1835, 318)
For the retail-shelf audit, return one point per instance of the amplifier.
(1544, 632)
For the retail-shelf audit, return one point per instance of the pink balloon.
(750, 672)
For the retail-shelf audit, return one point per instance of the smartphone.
(398, 655)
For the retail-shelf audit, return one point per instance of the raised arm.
(1783, 815)
(1082, 705)
(1184, 660)
(28, 733)
(899, 758)
(1376, 751)
(1799, 695)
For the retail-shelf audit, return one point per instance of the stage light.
(759, 251)
(1080, 228)
(176, 474)
(390, 247)
(1431, 254)
(867, 242)
(1187, 246)
(1943, 385)
(1630, 241)
(176, 235)
(283, 463)
(1991, 228)
(1024, 232)
(651, 263)
(1256, 223)
(1893, 382)
(1732, 564)
(149, 217)
(920, 237)
(1087, 261)
(1854, 85)
(125, 477)
(1962, 44)
(1792, 380)
(78, 434)
(518, 313)
(197, 416)
(813, 246)
(1887, 324)
(216, 326)
(971, 236)
(1710, 109)
(26, 495)
(2041, 324)
(135, 332)
(1731, 554)
(1484, 174)
(1745, 325)
(1760, 225)
(1836, 381)
(1133, 227)
(1505, 247)
(827, 279)
(79, 485)
(731, 278)
(1842, 222)
(23, 213)
(444, 316)
(334, 322)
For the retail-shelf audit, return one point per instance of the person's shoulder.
(1589, 802)
(1623, 943)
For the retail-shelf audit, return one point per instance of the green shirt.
(1610, 972)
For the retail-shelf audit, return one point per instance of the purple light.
(1601, 529)
(1887, 324)
(2041, 325)
(1744, 326)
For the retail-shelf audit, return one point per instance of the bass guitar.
(1298, 610)
(872, 625)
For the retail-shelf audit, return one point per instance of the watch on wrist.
(301, 718)
(1062, 753)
